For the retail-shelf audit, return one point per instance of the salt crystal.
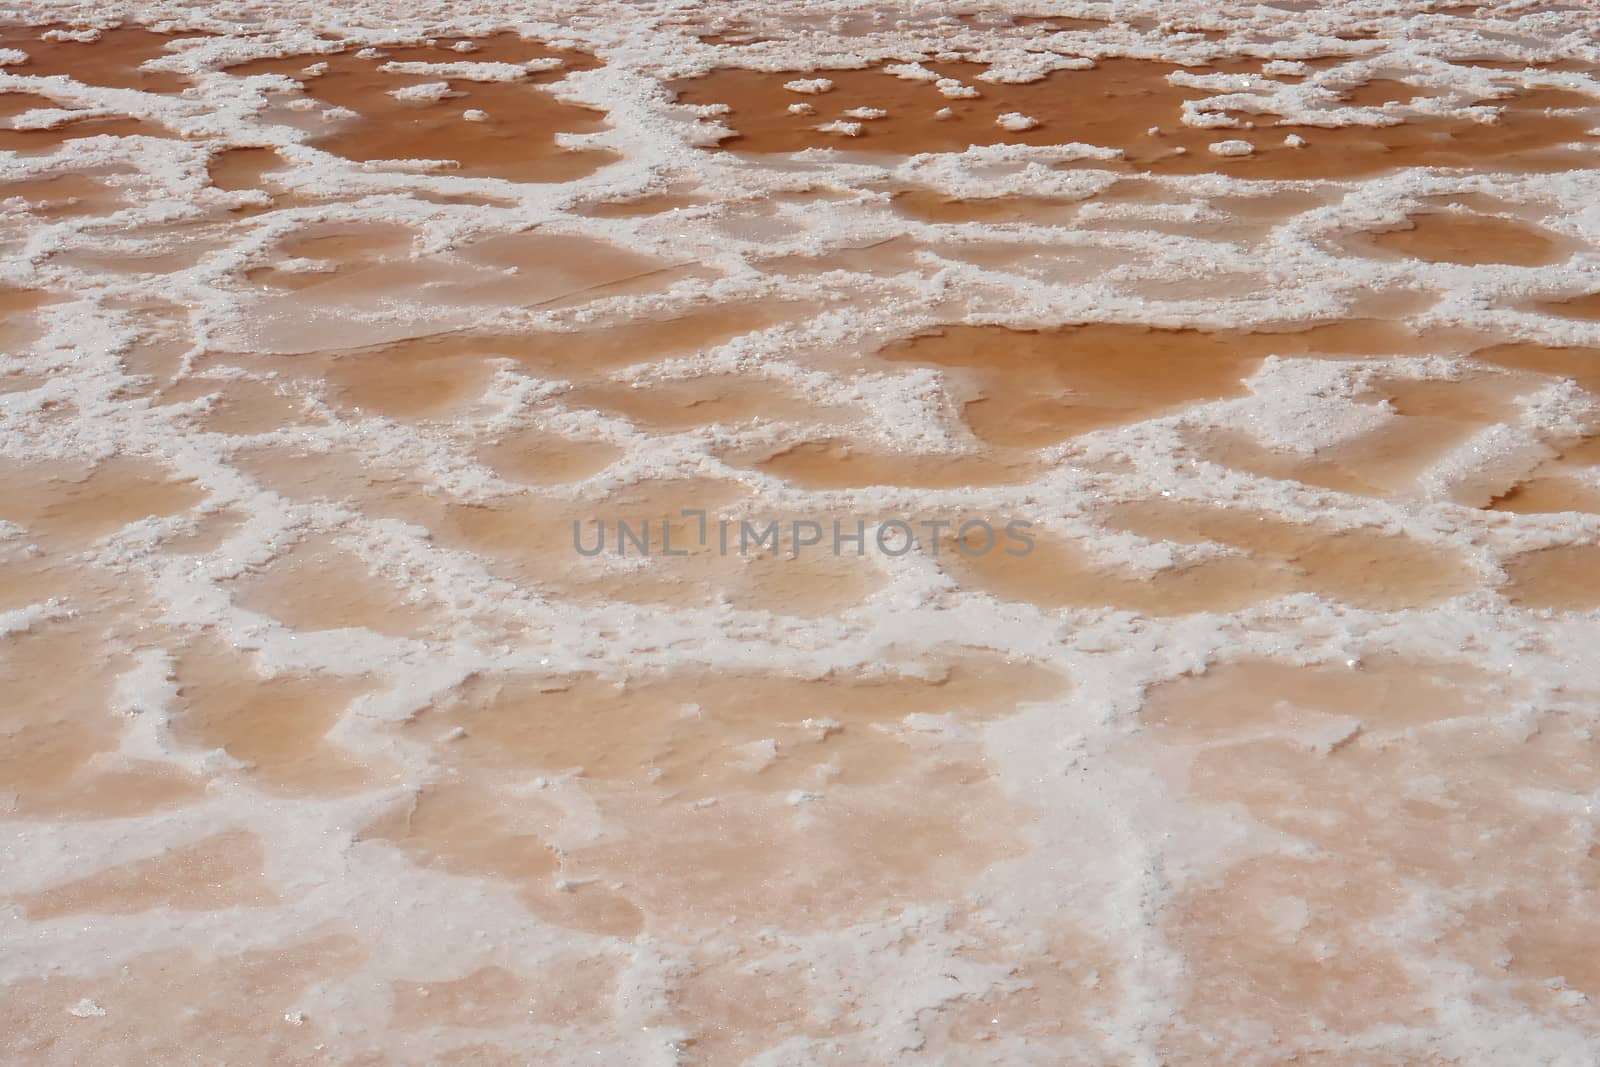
(841, 127)
(810, 86)
(1232, 149)
(1016, 121)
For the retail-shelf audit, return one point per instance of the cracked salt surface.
(322, 327)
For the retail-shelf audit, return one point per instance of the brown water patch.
(19, 327)
(158, 1007)
(1060, 981)
(317, 585)
(532, 538)
(841, 465)
(1367, 568)
(927, 205)
(896, 255)
(241, 406)
(1586, 307)
(1324, 704)
(536, 457)
(74, 505)
(1382, 463)
(516, 142)
(224, 870)
(1559, 484)
(1378, 92)
(465, 829)
(639, 207)
(1382, 786)
(1434, 416)
(1129, 97)
(72, 127)
(236, 169)
(1037, 388)
(810, 861)
(695, 734)
(113, 60)
(51, 729)
(412, 376)
(1560, 578)
(401, 297)
(1581, 365)
(573, 991)
(277, 727)
(1056, 574)
(678, 404)
(1545, 496)
(1471, 240)
(63, 196)
(155, 250)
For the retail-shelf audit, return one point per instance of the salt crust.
(1121, 833)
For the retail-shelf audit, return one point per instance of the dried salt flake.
(1232, 149)
(810, 86)
(911, 72)
(427, 92)
(944, 113)
(802, 108)
(951, 89)
(86, 1009)
(1294, 140)
(865, 113)
(472, 114)
(295, 1018)
(1016, 121)
(841, 127)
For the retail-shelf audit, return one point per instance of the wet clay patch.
(515, 139)
(1472, 240)
(1037, 388)
(948, 108)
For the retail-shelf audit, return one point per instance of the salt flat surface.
(1275, 327)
